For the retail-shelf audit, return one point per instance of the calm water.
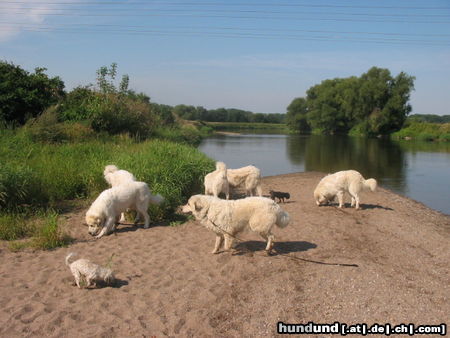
(419, 170)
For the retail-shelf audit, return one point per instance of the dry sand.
(169, 284)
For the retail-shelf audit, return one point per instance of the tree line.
(225, 115)
(106, 106)
(374, 103)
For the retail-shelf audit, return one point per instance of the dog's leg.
(77, 278)
(219, 240)
(340, 196)
(143, 210)
(228, 242)
(122, 218)
(353, 202)
(269, 246)
(356, 202)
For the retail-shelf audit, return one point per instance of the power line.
(276, 4)
(234, 11)
(229, 17)
(77, 25)
(243, 35)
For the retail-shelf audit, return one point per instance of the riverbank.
(170, 284)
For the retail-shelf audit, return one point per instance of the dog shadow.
(279, 247)
(374, 206)
(117, 284)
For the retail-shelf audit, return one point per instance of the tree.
(24, 95)
(296, 116)
(375, 103)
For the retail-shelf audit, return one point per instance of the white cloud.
(16, 17)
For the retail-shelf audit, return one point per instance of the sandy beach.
(169, 284)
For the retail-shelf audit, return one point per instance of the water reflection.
(419, 170)
(381, 159)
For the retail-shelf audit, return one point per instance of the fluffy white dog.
(217, 182)
(106, 209)
(248, 177)
(339, 183)
(228, 218)
(115, 177)
(83, 269)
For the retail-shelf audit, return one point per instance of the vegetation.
(429, 118)
(36, 176)
(424, 131)
(225, 115)
(372, 104)
(24, 95)
(66, 139)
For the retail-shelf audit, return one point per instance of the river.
(419, 170)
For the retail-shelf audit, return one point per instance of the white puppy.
(339, 183)
(115, 177)
(106, 209)
(248, 177)
(83, 269)
(227, 218)
(216, 181)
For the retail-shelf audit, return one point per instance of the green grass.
(36, 176)
(424, 131)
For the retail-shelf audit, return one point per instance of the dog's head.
(109, 277)
(198, 205)
(94, 224)
(320, 198)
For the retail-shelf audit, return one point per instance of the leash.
(286, 255)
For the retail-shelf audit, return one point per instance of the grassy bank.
(424, 131)
(36, 176)
(237, 126)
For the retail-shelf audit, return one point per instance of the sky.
(245, 54)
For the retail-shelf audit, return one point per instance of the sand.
(169, 284)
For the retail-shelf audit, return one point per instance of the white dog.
(106, 209)
(248, 177)
(216, 181)
(227, 218)
(83, 269)
(115, 177)
(339, 183)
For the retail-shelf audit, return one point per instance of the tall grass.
(424, 131)
(37, 176)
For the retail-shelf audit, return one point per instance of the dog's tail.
(283, 219)
(156, 199)
(68, 257)
(370, 184)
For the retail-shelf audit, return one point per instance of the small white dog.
(115, 177)
(228, 218)
(217, 182)
(248, 177)
(103, 214)
(83, 269)
(339, 183)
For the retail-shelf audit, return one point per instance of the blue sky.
(252, 55)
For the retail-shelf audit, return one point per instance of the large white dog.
(115, 177)
(228, 218)
(248, 177)
(103, 214)
(339, 183)
(217, 182)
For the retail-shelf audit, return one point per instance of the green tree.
(24, 95)
(296, 116)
